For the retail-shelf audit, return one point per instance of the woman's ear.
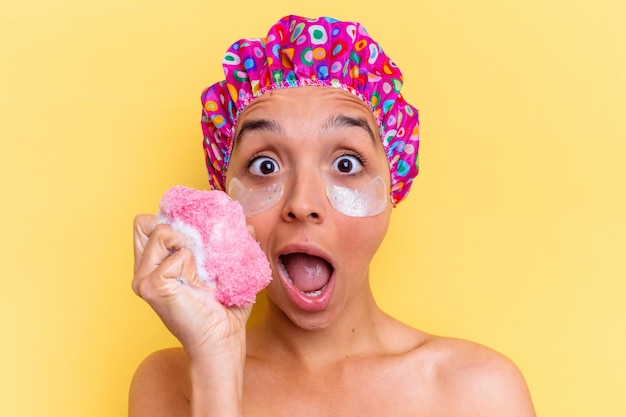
(251, 231)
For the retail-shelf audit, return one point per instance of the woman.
(313, 113)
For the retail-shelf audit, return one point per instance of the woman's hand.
(166, 277)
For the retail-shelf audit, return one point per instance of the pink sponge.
(227, 257)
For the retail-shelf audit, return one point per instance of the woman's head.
(307, 144)
(300, 52)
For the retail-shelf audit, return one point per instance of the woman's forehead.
(308, 104)
(314, 112)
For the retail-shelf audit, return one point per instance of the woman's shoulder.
(160, 385)
(477, 376)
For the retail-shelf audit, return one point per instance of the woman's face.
(308, 146)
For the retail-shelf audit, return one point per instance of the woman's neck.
(356, 331)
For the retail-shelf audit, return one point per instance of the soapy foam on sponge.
(227, 257)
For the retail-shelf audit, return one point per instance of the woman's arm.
(161, 385)
(213, 336)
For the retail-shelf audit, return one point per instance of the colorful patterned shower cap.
(301, 52)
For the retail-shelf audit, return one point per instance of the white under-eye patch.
(255, 201)
(369, 200)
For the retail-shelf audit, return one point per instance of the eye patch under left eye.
(366, 201)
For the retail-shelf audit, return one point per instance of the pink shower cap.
(299, 52)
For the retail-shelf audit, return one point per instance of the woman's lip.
(306, 249)
(304, 301)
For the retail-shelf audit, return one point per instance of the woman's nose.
(305, 198)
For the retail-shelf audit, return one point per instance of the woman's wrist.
(217, 381)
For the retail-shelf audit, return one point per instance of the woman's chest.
(367, 391)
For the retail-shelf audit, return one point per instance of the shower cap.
(296, 52)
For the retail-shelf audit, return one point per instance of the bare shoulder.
(477, 380)
(160, 385)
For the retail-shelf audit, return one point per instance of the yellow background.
(513, 236)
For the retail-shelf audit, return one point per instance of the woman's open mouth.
(308, 278)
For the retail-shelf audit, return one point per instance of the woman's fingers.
(181, 266)
(160, 255)
(143, 226)
(165, 280)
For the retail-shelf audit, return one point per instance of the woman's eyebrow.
(256, 125)
(341, 120)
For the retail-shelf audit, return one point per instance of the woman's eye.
(263, 166)
(348, 164)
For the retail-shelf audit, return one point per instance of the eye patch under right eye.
(255, 201)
